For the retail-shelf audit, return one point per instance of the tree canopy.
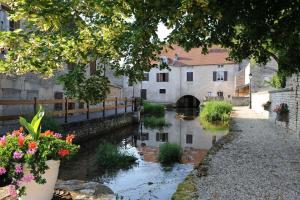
(123, 33)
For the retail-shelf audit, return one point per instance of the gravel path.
(263, 162)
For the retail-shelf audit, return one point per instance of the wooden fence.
(107, 104)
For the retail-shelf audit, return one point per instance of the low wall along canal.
(147, 179)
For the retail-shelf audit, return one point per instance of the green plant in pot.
(31, 158)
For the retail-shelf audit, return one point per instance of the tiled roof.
(194, 57)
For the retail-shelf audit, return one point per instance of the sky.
(163, 31)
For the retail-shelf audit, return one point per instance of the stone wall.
(88, 129)
(291, 96)
(258, 100)
(240, 101)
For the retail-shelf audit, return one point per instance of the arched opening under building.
(188, 101)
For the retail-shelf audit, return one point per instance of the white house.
(192, 77)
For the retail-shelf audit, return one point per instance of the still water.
(147, 179)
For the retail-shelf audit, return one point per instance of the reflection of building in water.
(187, 133)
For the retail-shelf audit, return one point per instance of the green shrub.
(169, 153)
(109, 156)
(216, 111)
(154, 122)
(154, 109)
(50, 123)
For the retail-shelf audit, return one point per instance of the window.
(220, 94)
(189, 76)
(130, 83)
(58, 95)
(13, 25)
(143, 136)
(146, 77)
(162, 137)
(162, 91)
(220, 66)
(162, 77)
(220, 76)
(144, 94)
(209, 94)
(189, 139)
(81, 105)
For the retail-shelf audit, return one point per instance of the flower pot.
(35, 191)
(283, 117)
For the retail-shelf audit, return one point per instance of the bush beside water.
(109, 156)
(215, 111)
(169, 153)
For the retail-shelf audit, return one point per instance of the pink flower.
(17, 155)
(3, 141)
(12, 191)
(27, 178)
(18, 169)
(31, 151)
(2, 170)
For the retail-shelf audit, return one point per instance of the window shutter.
(167, 77)
(214, 76)
(225, 75)
(157, 77)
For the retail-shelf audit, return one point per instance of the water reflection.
(133, 183)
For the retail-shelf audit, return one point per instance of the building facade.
(191, 75)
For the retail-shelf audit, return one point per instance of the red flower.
(48, 133)
(63, 152)
(21, 140)
(69, 138)
(32, 145)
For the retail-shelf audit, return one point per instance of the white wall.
(178, 85)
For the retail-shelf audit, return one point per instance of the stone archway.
(188, 101)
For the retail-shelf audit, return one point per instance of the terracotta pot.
(45, 191)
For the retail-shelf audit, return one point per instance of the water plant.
(109, 156)
(169, 153)
(154, 122)
(154, 109)
(214, 111)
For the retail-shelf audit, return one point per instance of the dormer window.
(220, 66)
(164, 60)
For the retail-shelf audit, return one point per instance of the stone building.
(191, 78)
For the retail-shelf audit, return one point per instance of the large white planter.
(36, 191)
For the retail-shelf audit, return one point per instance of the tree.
(69, 31)
(249, 28)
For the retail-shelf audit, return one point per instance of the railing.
(107, 104)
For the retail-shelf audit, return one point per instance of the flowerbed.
(29, 148)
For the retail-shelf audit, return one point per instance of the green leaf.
(36, 121)
(28, 126)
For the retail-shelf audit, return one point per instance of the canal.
(147, 179)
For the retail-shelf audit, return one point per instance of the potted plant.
(30, 159)
(282, 112)
(267, 105)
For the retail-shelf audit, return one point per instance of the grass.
(154, 122)
(154, 109)
(186, 189)
(215, 111)
(169, 153)
(109, 156)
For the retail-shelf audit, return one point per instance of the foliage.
(154, 109)
(169, 153)
(250, 29)
(216, 111)
(282, 108)
(214, 126)
(154, 122)
(78, 86)
(50, 123)
(109, 156)
(121, 34)
(277, 81)
(31, 149)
